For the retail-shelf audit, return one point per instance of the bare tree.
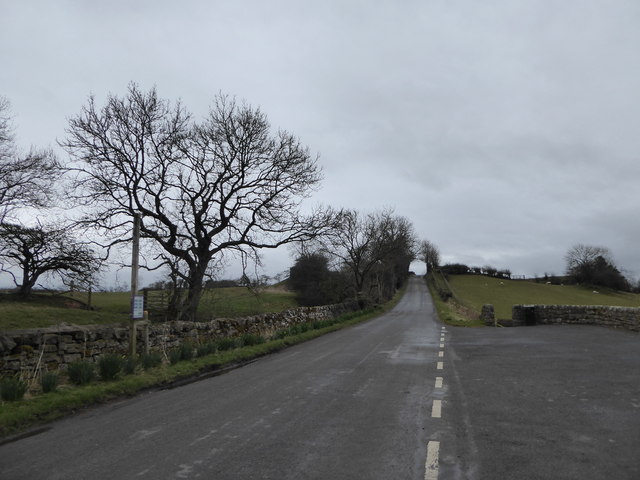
(376, 248)
(26, 180)
(40, 250)
(429, 254)
(592, 265)
(581, 255)
(224, 185)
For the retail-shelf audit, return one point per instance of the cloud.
(505, 131)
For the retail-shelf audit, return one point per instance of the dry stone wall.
(618, 317)
(55, 347)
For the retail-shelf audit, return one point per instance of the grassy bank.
(452, 312)
(20, 415)
(476, 290)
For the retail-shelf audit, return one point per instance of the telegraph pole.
(136, 300)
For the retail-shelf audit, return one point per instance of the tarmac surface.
(398, 397)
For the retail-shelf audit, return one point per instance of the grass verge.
(452, 312)
(18, 416)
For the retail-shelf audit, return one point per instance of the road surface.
(398, 397)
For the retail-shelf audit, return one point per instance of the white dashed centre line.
(439, 381)
(436, 410)
(431, 465)
(440, 366)
(442, 345)
(441, 354)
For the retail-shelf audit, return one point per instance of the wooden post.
(146, 332)
(135, 252)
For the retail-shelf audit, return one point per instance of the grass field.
(114, 307)
(476, 290)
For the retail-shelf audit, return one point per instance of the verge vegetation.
(450, 309)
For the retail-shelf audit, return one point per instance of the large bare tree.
(26, 179)
(202, 188)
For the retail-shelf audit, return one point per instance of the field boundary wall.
(53, 348)
(617, 317)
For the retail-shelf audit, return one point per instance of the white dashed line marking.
(440, 366)
(441, 354)
(436, 410)
(442, 345)
(439, 381)
(431, 465)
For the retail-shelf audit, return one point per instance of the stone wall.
(618, 317)
(55, 347)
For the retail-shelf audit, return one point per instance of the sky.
(505, 131)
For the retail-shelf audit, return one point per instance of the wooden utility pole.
(135, 253)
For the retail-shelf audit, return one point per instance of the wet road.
(398, 397)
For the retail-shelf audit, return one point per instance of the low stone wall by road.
(618, 317)
(55, 347)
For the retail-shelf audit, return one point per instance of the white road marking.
(442, 345)
(431, 465)
(436, 410)
(439, 381)
(441, 354)
(440, 366)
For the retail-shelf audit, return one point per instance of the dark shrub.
(151, 360)
(81, 372)
(186, 351)
(109, 366)
(226, 343)
(206, 349)
(249, 339)
(12, 389)
(49, 382)
(129, 365)
(175, 356)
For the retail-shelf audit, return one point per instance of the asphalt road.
(398, 397)
(353, 404)
(543, 402)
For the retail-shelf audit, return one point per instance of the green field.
(113, 307)
(476, 290)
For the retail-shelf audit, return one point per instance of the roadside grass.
(452, 312)
(113, 307)
(477, 290)
(41, 408)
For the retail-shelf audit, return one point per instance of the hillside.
(476, 290)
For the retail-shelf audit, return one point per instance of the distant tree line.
(587, 265)
(365, 257)
(462, 269)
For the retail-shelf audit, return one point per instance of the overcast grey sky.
(506, 131)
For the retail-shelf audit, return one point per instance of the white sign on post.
(137, 309)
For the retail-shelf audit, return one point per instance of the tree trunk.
(191, 303)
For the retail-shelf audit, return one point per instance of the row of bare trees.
(366, 254)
